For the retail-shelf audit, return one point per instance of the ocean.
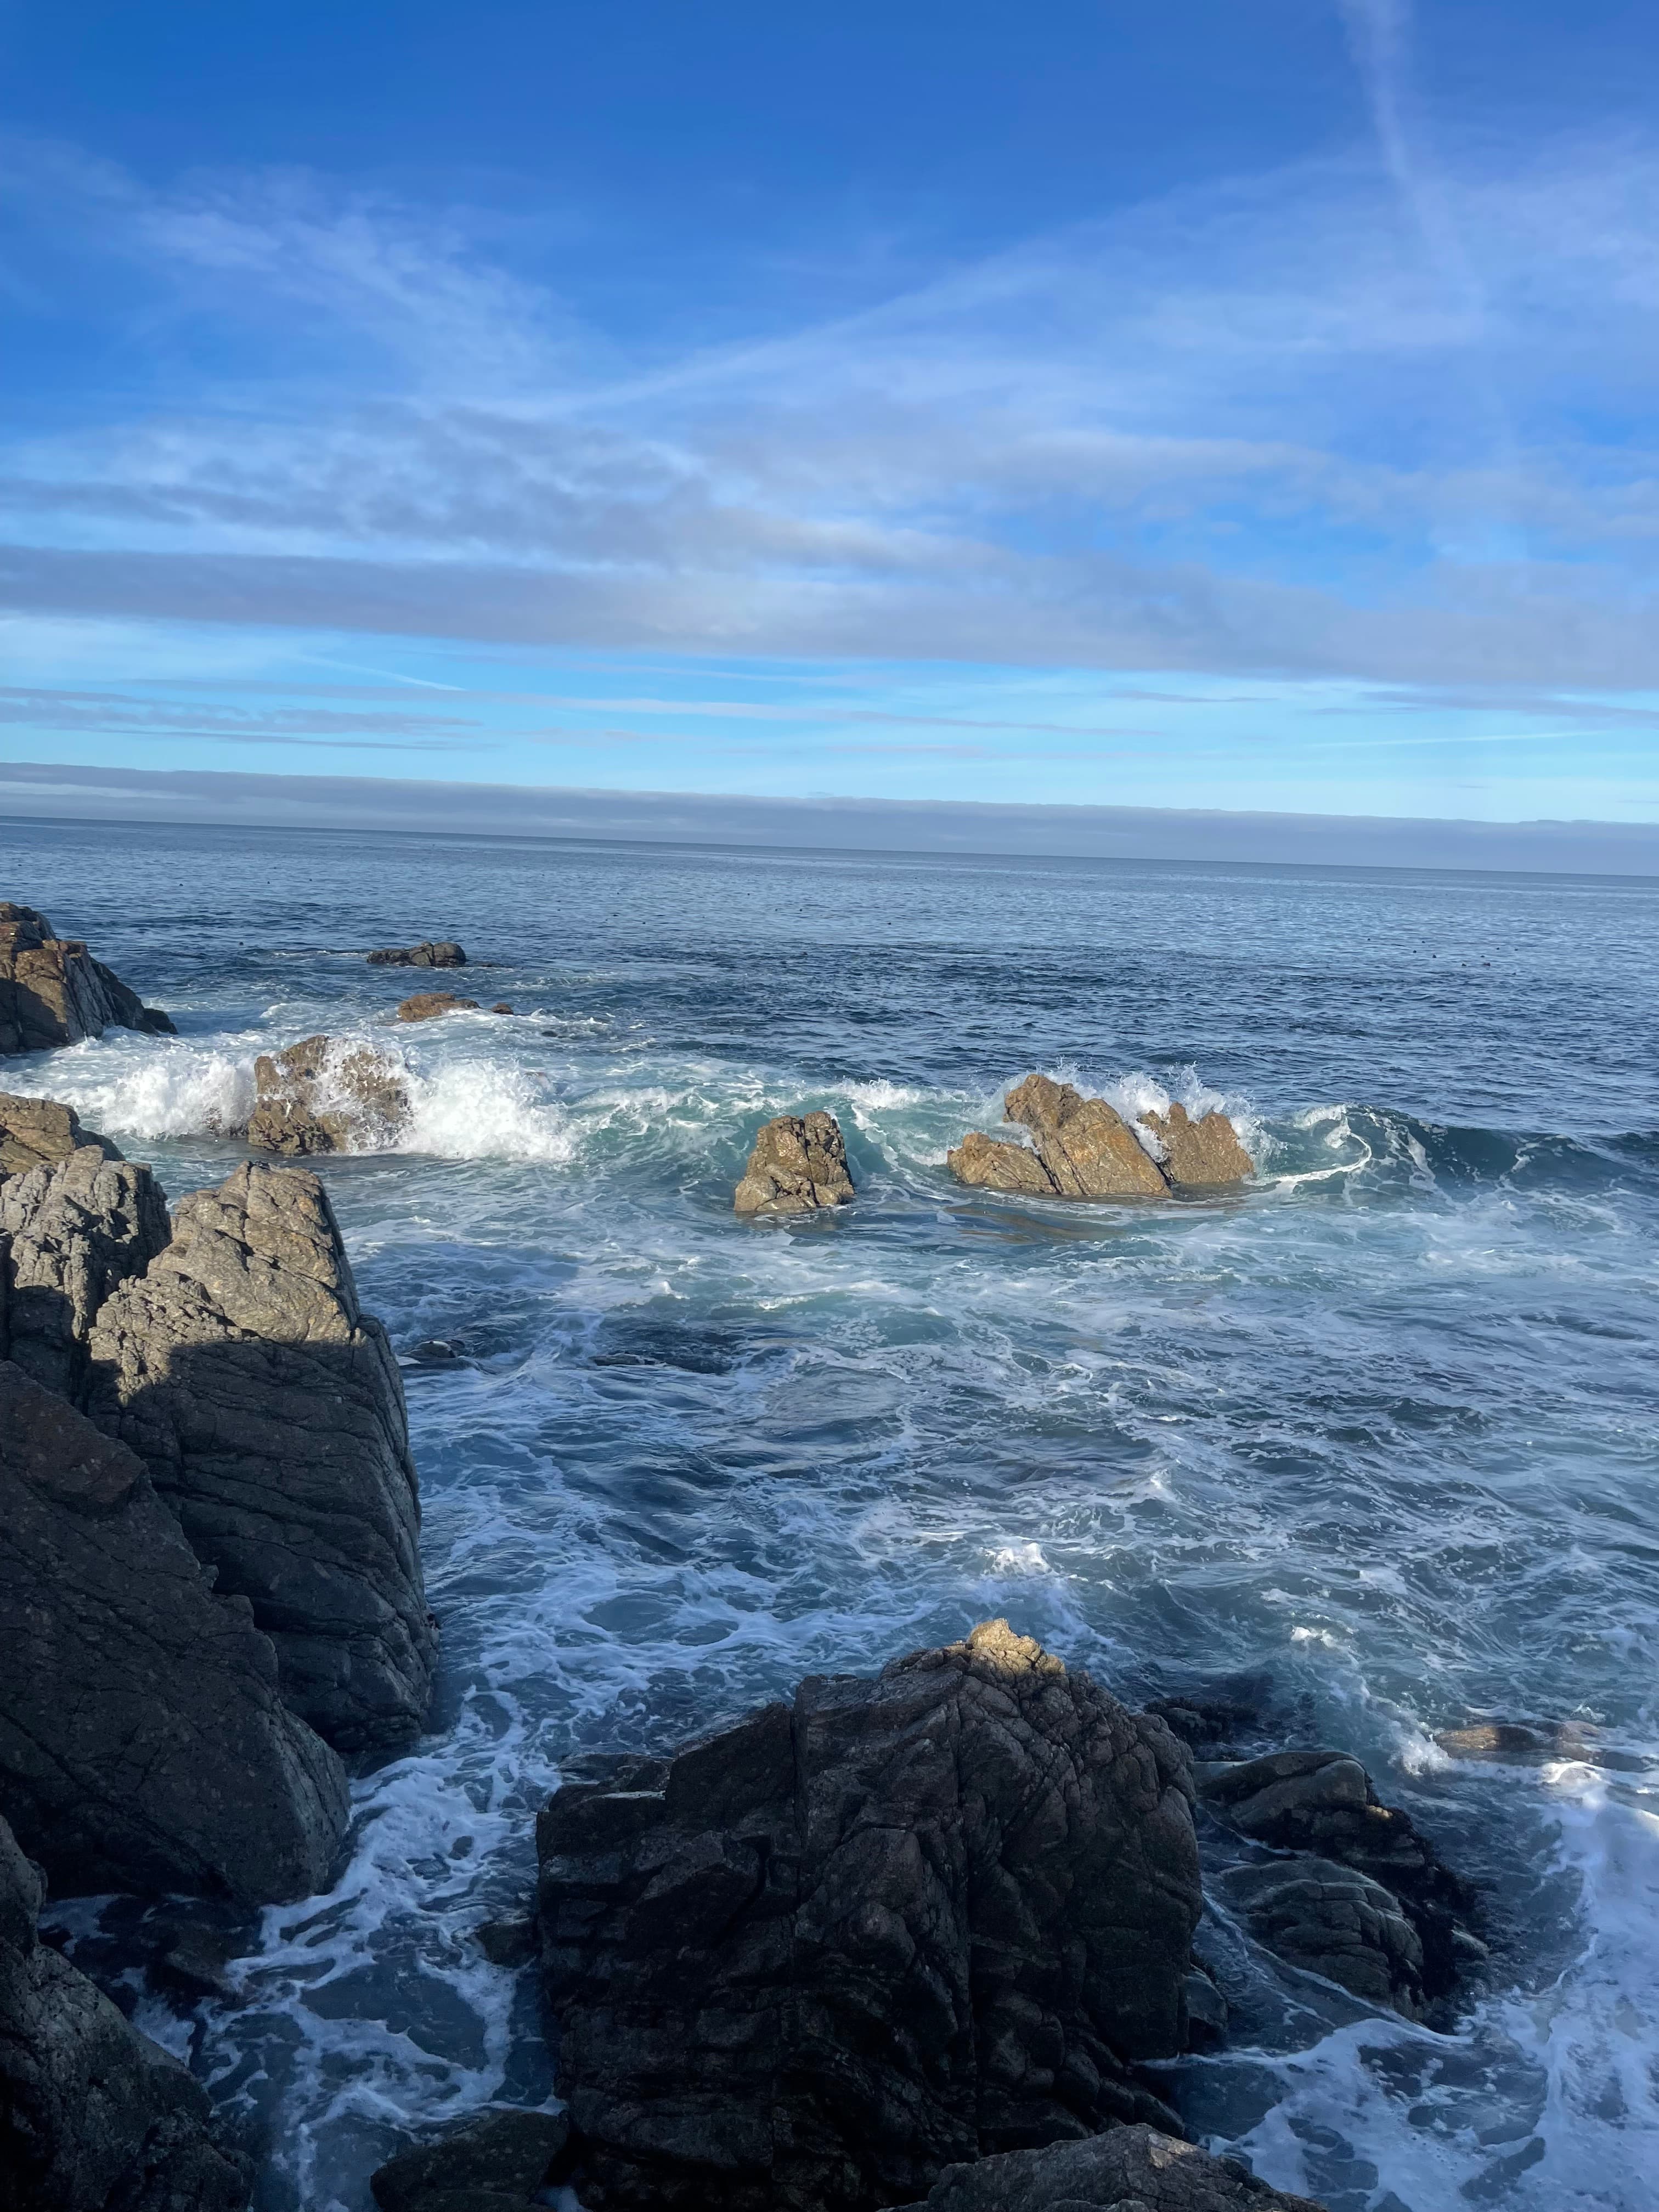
(1383, 1428)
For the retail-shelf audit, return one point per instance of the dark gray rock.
(70, 1232)
(52, 991)
(443, 952)
(810, 1961)
(94, 2117)
(143, 1742)
(1334, 1921)
(508, 1942)
(499, 2160)
(1131, 2170)
(268, 1410)
(40, 1132)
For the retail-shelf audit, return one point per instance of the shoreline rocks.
(499, 2162)
(52, 992)
(426, 1006)
(903, 1921)
(1133, 2169)
(71, 1231)
(321, 1095)
(1083, 1148)
(799, 1163)
(37, 1133)
(442, 952)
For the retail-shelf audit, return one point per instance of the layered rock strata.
(427, 1005)
(94, 2116)
(799, 1163)
(52, 992)
(143, 1741)
(810, 1961)
(1083, 1148)
(268, 1408)
(442, 952)
(322, 1096)
(1134, 2169)
(71, 1231)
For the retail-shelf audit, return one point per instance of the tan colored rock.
(995, 1163)
(1088, 1148)
(40, 1132)
(798, 1163)
(426, 1006)
(52, 991)
(320, 1097)
(1200, 1155)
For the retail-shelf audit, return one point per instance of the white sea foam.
(126, 1086)
(477, 1107)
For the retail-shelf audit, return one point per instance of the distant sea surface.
(1383, 1427)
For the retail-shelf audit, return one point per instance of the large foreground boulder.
(325, 1095)
(268, 1410)
(442, 952)
(799, 1163)
(1083, 1148)
(71, 1230)
(143, 1743)
(52, 991)
(94, 2116)
(1133, 2169)
(810, 1961)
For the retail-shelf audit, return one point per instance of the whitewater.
(1380, 1429)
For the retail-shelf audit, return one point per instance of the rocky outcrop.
(94, 2116)
(1131, 2170)
(143, 1743)
(52, 991)
(1333, 1921)
(798, 1163)
(498, 2163)
(268, 1410)
(426, 1006)
(1322, 1802)
(37, 1133)
(320, 1096)
(444, 952)
(71, 1231)
(811, 1960)
(1083, 1148)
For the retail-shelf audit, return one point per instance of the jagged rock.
(268, 1410)
(94, 2116)
(40, 1132)
(1199, 1155)
(442, 953)
(798, 1163)
(808, 1961)
(70, 1233)
(1322, 1802)
(143, 1741)
(1134, 2169)
(495, 2164)
(1336, 1921)
(53, 992)
(426, 1006)
(322, 1096)
(996, 1163)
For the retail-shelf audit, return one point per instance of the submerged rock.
(268, 1410)
(442, 952)
(320, 1097)
(810, 1960)
(143, 1742)
(1134, 2169)
(1083, 1148)
(1334, 1921)
(494, 2164)
(798, 1163)
(52, 991)
(94, 2116)
(70, 1232)
(426, 1006)
(1523, 1743)
(37, 1133)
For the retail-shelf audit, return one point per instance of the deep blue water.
(1383, 1426)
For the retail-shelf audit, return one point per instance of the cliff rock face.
(1130, 2170)
(143, 1744)
(94, 2117)
(318, 1096)
(798, 1163)
(70, 1232)
(40, 1132)
(811, 1960)
(268, 1410)
(442, 953)
(53, 992)
(1083, 1148)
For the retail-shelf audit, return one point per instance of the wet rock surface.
(1083, 1148)
(268, 1410)
(320, 1097)
(94, 2116)
(40, 1132)
(1199, 1155)
(1133, 2169)
(427, 1005)
(143, 1741)
(71, 1231)
(901, 1922)
(799, 1163)
(52, 992)
(1334, 1921)
(495, 2164)
(440, 952)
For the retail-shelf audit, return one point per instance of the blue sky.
(1245, 406)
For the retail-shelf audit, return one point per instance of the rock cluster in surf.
(427, 1005)
(443, 952)
(1083, 1148)
(52, 992)
(321, 1095)
(799, 1164)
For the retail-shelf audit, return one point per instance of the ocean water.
(1380, 1428)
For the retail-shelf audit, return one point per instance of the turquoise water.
(1382, 1427)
